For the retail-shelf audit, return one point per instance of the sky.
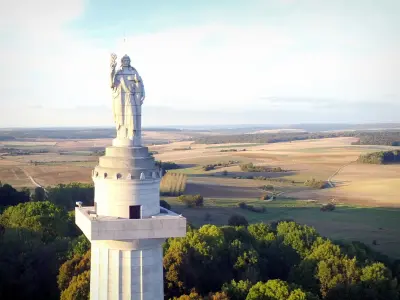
(206, 62)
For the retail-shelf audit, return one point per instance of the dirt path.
(332, 185)
(35, 183)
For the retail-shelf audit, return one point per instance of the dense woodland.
(263, 138)
(237, 135)
(388, 138)
(380, 158)
(44, 256)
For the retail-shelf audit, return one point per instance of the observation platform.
(166, 224)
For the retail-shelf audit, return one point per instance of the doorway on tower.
(135, 211)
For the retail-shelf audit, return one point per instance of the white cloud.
(44, 63)
(216, 66)
(27, 15)
(227, 66)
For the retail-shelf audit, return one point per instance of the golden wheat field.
(325, 159)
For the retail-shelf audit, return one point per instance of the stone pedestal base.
(125, 273)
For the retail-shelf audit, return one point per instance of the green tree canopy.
(277, 290)
(10, 196)
(44, 218)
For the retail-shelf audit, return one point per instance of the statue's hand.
(113, 65)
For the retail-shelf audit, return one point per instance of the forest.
(43, 255)
(387, 138)
(380, 158)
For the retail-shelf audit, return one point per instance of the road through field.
(332, 185)
(35, 183)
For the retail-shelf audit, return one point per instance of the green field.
(345, 223)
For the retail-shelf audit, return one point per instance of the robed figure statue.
(128, 96)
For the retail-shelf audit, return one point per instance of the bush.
(268, 187)
(316, 184)
(192, 200)
(208, 167)
(242, 205)
(225, 173)
(168, 165)
(237, 220)
(252, 208)
(252, 168)
(260, 209)
(328, 207)
(220, 165)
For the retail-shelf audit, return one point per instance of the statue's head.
(125, 61)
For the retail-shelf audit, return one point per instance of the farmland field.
(320, 159)
(366, 196)
(349, 223)
(323, 159)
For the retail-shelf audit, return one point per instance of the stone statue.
(128, 96)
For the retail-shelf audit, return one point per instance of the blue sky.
(202, 62)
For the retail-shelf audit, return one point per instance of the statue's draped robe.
(127, 95)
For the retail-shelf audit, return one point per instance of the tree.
(237, 220)
(230, 259)
(74, 277)
(39, 194)
(66, 195)
(192, 296)
(44, 218)
(78, 289)
(299, 237)
(277, 290)
(377, 283)
(10, 196)
(337, 271)
(28, 267)
(218, 296)
(196, 261)
(79, 246)
(237, 290)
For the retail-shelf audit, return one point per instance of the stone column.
(127, 270)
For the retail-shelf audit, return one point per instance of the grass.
(345, 223)
(191, 170)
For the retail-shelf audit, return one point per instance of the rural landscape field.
(365, 195)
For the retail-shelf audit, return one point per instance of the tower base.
(127, 270)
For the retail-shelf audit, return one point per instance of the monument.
(126, 226)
